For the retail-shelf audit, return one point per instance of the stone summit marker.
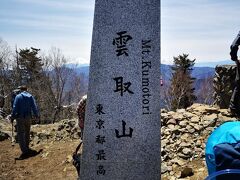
(122, 125)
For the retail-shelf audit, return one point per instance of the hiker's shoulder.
(23, 94)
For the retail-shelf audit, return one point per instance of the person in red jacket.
(81, 108)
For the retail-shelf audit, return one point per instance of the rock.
(164, 168)
(197, 108)
(171, 174)
(171, 127)
(199, 150)
(210, 117)
(169, 168)
(163, 110)
(225, 112)
(183, 123)
(197, 127)
(43, 136)
(3, 136)
(223, 118)
(60, 127)
(186, 172)
(182, 111)
(183, 156)
(185, 136)
(183, 144)
(188, 115)
(190, 129)
(178, 142)
(195, 119)
(71, 123)
(198, 143)
(212, 110)
(36, 140)
(164, 142)
(187, 151)
(171, 121)
(210, 120)
(44, 155)
(177, 117)
(178, 161)
(176, 129)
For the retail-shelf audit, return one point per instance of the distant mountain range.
(197, 72)
(200, 70)
(214, 64)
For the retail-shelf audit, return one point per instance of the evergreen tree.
(30, 65)
(181, 89)
(30, 72)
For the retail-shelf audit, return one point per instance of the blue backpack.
(223, 150)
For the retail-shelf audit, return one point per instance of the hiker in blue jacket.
(24, 107)
(235, 99)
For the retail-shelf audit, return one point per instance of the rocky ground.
(58, 141)
(184, 134)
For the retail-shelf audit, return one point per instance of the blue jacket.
(24, 105)
(222, 148)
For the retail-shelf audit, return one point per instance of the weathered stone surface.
(164, 168)
(124, 84)
(182, 111)
(195, 119)
(184, 144)
(187, 151)
(210, 120)
(223, 84)
(172, 121)
(171, 127)
(178, 161)
(183, 123)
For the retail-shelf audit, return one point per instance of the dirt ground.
(54, 162)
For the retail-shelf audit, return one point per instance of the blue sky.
(202, 28)
(45, 23)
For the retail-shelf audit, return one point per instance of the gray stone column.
(122, 126)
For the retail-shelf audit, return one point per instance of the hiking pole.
(12, 136)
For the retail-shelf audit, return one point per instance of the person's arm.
(234, 48)
(15, 109)
(34, 108)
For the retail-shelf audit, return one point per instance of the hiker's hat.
(22, 87)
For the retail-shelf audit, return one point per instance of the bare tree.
(181, 90)
(5, 52)
(6, 80)
(205, 94)
(165, 96)
(60, 75)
